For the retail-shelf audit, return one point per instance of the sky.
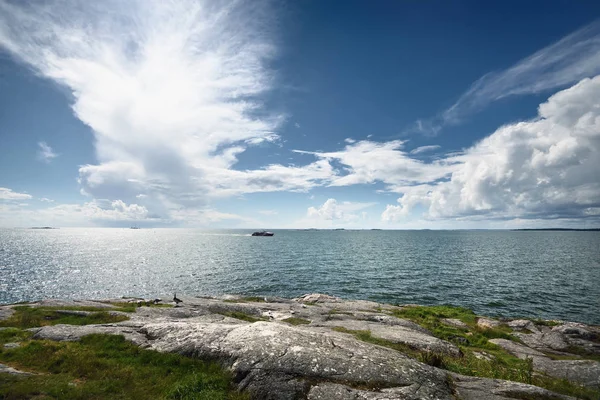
(313, 114)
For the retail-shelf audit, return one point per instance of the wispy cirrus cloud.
(425, 149)
(572, 58)
(45, 153)
(366, 162)
(171, 89)
(9, 194)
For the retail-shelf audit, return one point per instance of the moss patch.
(30, 317)
(545, 322)
(243, 316)
(132, 307)
(366, 336)
(430, 317)
(107, 366)
(296, 321)
(9, 335)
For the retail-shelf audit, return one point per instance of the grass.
(296, 321)
(108, 367)
(131, 307)
(30, 317)
(243, 316)
(471, 340)
(430, 317)
(578, 351)
(545, 322)
(366, 336)
(10, 335)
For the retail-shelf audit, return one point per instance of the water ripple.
(535, 274)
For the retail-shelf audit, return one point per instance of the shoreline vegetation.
(315, 346)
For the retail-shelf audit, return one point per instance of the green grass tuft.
(366, 336)
(545, 322)
(132, 307)
(243, 316)
(31, 317)
(430, 317)
(9, 335)
(107, 366)
(296, 321)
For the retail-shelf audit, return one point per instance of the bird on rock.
(176, 300)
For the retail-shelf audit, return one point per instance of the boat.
(262, 233)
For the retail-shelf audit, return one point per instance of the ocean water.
(497, 273)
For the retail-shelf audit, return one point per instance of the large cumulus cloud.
(171, 90)
(544, 168)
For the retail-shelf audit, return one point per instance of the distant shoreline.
(560, 229)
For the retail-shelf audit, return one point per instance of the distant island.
(42, 227)
(560, 229)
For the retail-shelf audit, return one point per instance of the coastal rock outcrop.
(5, 369)
(322, 347)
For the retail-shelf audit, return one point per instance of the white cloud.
(331, 210)
(96, 212)
(47, 200)
(172, 91)
(424, 149)
(349, 140)
(297, 125)
(546, 168)
(45, 152)
(8, 194)
(572, 58)
(222, 182)
(369, 162)
(268, 212)
(117, 213)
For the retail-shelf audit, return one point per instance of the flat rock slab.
(398, 334)
(280, 351)
(6, 312)
(317, 298)
(457, 323)
(5, 369)
(517, 349)
(522, 325)
(585, 372)
(328, 391)
(70, 333)
(472, 388)
(487, 323)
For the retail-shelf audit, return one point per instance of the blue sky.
(274, 114)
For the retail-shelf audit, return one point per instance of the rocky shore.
(322, 347)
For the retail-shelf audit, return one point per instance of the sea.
(534, 274)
